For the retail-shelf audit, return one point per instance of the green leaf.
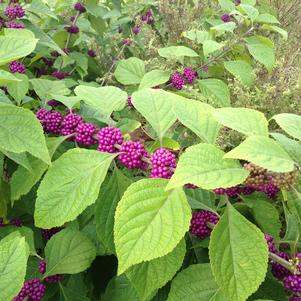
(70, 185)
(106, 206)
(8, 78)
(195, 283)
(13, 258)
(294, 205)
(241, 70)
(21, 159)
(40, 8)
(13, 47)
(130, 71)
(156, 107)
(201, 199)
(238, 255)
(290, 123)
(81, 61)
(267, 18)
(247, 121)
(210, 46)
(204, 165)
(249, 2)
(68, 101)
(149, 276)
(292, 147)
(154, 78)
(216, 90)
(250, 11)
(265, 213)
(17, 126)
(224, 27)
(23, 180)
(262, 53)
(104, 100)
(227, 5)
(149, 222)
(120, 289)
(264, 152)
(275, 28)
(197, 117)
(68, 252)
(175, 52)
(19, 89)
(198, 36)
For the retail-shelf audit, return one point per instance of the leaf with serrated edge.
(247, 121)
(238, 255)
(149, 276)
(16, 128)
(149, 222)
(70, 185)
(195, 283)
(203, 165)
(68, 252)
(264, 152)
(154, 78)
(13, 258)
(290, 123)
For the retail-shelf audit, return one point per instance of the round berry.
(70, 123)
(278, 270)
(163, 164)
(189, 75)
(16, 67)
(177, 80)
(132, 155)
(84, 133)
(14, 11)
(108, 137)
(79, 7)
(293, 283)
(32, 290)
(198, 224)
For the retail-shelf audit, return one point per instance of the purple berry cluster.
(136, 29)
(73, 29)
(294, 298)
(48, 233)
(16, 67)
(271, 244)
(163, 164)
(14, 11)
(179, 80)
(32, 290)
(15, 25)
(85, 133)
(16, 221)
(278, 270)
(130, 101)
(59, 74)
(293, 283)
(108, 137)
(91, 53)
(147, 17)
(70, 124)
(189, 75)
(226, 18)
(50, 279)
(198, 224)
(78, 6)
(51, 121)
(132, 155)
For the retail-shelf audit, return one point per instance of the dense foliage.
(149, 151)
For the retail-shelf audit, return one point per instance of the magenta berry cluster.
(177, 80)
(226, 18)
(271, 244)
(278, 270)
(48, 233)
(132, 155)
(147, 17)
(73, 29)
(52, 123)
(32, 290)
(15, 25)
(126, 42)
(50, 279)
(198, 224)
(294, 298)
(91, 53)
(293, 283)
(70, 124)
(189, 75)
(235, 191)
(16, 221)
(78, 6)
(16, 67)
(59, 74)
(136, 29)
(163, 164)
(108, 137)
(85, 133)
(14, 11)
(130, 101)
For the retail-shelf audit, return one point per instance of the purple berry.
(84, 133)
(269, 189)
(107, 138)
(226, 18)
(53, 123)
(294, 298)
(73, 29)
(270, 241)
(189, 75)
(48, 62)
(91, 53)
(278, 270)
(48, 233)
(198, 224)
(163, 164)
(293, 283)
(133, 153)
(59, 74)
(16, 221)
(32, 290)
(15, 25)
(72, 19)
(16, 67)
(126, 42)
(130, 101)
(147, 17)
(53, 103)
(42, 266)
(14, 11)
(177, 80)
(232, 192)
(136, 29)
(79, 7)
(50, 279)
(55, 53)
(70, 123)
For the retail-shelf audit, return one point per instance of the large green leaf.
(216, 91)
(23, 179)
(227, 5)
(156, 107)
(130, 71)
(149, 222)
(17, 126)
(68, 252)
(174, 52)
(197, 117)
(40, 8)
(294, 205)
(7, 77)
(210, 46)
(247, 121)
(20, 158)
(264, 152)
(154, 78)
(203, 165)
(149, 276)
(70, 185)
(106, 206)
(195, 283)
(13, 47)
(290, 123)
(19, 89)
(242, 70)
(267, 18)
(104, 100)
(198, 36)
(238, 255)
(13, 258)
